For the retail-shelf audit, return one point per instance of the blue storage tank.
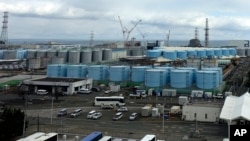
(1, 54)
(207, 79)
(172, 55)
(119, 73)
(209, 52)
(225, 51)
(181, 54)
(193, 71)
(201, 54)
(218, 69)
(232, 51)
(218, 52)
(154, 53)
(21, 54)
(155, 77)
(98, 72)
(180, 78)
(191, 53)
(138, 73)
(167, 72)
(57, 70)
(76, 71)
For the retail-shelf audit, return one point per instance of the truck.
(146, 111)
(139, 94)
(183, 100)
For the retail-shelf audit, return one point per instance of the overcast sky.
(75, 19)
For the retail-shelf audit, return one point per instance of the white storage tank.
(180, 78)
(74, 57)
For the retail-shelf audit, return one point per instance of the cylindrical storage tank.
(138, 73)
(207, 79)
(77, 71)
(1, 54)
(119, 73)
(209, 52)
(97, 55)
(41, 53)
(232, 51)
(98, 72)
(241, 52)
(219, 70)
(218, 52)
(193, 72)
(167, 69)
(107, 54)
(154, 53)
(31, 54)
(74, 57)
(52, 53)
(63, 54)
(33, 63)
(225, 52)
(9, 54)
(247, 52)
(136, 52)
(180, 78)
(181, 54)
(172, 55)
(155, 77)
(201, 54)
(57, 60)
(86, 56)
(191, 53)
(21, 54)
(45, 62)
(57, 70)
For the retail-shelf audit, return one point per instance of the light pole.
(25, 111)
(51, 116)
(163, 124)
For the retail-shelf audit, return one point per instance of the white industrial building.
(206, 112)
(68, 86)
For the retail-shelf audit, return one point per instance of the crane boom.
(124, 29)
(135, 24)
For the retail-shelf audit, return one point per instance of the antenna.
(4, 34)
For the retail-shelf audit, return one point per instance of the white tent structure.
(235, 108)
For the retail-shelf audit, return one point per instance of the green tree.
(11, 123)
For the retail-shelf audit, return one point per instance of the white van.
(41, 92)
(62, 112)
(76, 113)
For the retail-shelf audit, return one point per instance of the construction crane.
(168, 35)
(129, 31)
(124, 29)
(142, 34)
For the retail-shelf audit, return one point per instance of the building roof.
(50, 79)
(236, 107)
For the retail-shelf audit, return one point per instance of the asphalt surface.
(42, 116)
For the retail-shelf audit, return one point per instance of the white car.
(91, 114)
(118, 116)
(108, 91)
(97, 115)
(122, 109)
(133, 116)
(84, 91)
(42, 92)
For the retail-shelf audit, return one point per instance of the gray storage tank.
(9, 54)
(31, 54)
(52, 53)
(107, 55)
(86, 56)
(74, 57)
(57, 60)
(44, 62)
(63, 54)
(97, 55)
(33, 63)
(41, 53)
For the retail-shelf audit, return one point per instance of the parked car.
(95, 89)
(42, 92)
(76, 113)
(122, 109)
(133, 116)
(108, 91)
(84, 91)
(97, 115)
(118, 116)
(62, 112)
(91, 114)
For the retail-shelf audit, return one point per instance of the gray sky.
(75, 19)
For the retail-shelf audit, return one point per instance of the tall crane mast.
(124, 29)
(135, 24)
(142, 34)
(168, 35)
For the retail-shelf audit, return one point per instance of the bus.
(94, 136)
(40, 136)
(149, 137)
(111, 100)
(106, 138)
